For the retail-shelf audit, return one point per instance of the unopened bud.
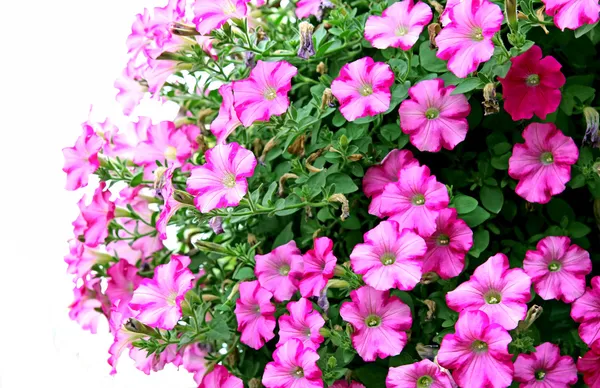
(510, 7)
(341, 198)
(209, 297)
(433, 30)
(490, 102)
(256, 146)
(250, 59)
(321, 68)
(297, 147)
(592, 121)
(183, 197)
(355, 157)
(337, 283)
(431, 306)
(339, 270)
(254, 383)
(136, 326)
(331, 362)
(338, 328)
(328, 100)
(251, 239)
(122, 212)
(216, 224)
(323, 302)
(182, 29)
(282, 181)
(429, 277)
(324, 332)
(306, 49)
(532, 315)
(159, 180)
(344, 141)
(234, 290)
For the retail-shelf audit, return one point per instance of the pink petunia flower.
(303, 323)
(221, 181)
(212, 14)
(532, 85)
(158, 300)
(388, 171)
(164, 143)
(123, 337)
(221, 378)
(572, 14)
(380, 322)
(389, 257)
(193, 361)
(363, 88)
(448, 245)
(280, 270)
(124, 279)
(557, 269)
(477, 353)
(346, 384)
(131, 90)
(82, 258)
(466, 41)
(293, 365)
(433, 117)
(157, 72)
(415, 200)
(155, 362)
(319, 266)
(589, 366)
(96, 216)
(171, 205)
(81, 160)
(445, 16)
(255, 314)
(305, 8)
(545, 368)
(418, 375)
(543, 164)
(84, 309)
(264, 93)
(586, 310)
(227, 120)
(500, 292)
(399, 25)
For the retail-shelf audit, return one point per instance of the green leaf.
(481, 240)
(343, 183)
(467, 85)
(243, 273)
(464, 204)
(285, 236)
(476, 217)
(390, 131)
(137, 180)
(399, 94)
(492, 198)
(429, 61)
(581, 31)
(578, 229)
(269, 194)
(218, 329)
(558, 209)
(338, 120)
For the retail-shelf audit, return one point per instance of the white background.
(56, 59)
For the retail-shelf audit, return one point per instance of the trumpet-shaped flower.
(227, 120)
(81, 160)
(418, 375)
(572, 14)
(586, 310)
(221, 378)
(303, 323)
(319, 265)
(255, 314)
(293, 365)
(96, 216)
(545, 368)
(212, 14)
(280, 270)
(589, 366)
(163, 143)
(124, 279)
(171, 204)
(346, 384)
(305, 8)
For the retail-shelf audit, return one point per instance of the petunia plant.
(352, 194)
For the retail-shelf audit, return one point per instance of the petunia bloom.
(399, 25)
(363, 88)
(500, 292)
(477, 353)
(389, 257)
(415, 200)
(255, 314)
(293, 365)
(305, 8)
(171, 204)
(303, 323)
(220, 377)
(388, 171)
(158, 300)
(319, 265)
(81, 160)
(448, 245)
(212, 14)
(163, 143)
(586, 310)
(280, 270)
(380, 322)
(124, 279)
(545, 368)
(221, 181)
(532, 85)
(433, 116)
(589, 366)
(264, 93)
(227, 120)
(543, 164)
(572, 14)
(96, 216)
(418, 375)
(557, 268)
(194, 362)
(467, 40)
(346, 384)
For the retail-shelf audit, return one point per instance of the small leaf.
(390, 131)
(137, 180)
(285, 236)
(492, 198)
(429, 61)
(343, 183)
(578, 229)
(467, 85)
(464, 204)
(243, 273)
(476, 217)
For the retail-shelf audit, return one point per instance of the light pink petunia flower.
(227, 120)
(500, 292)
(477, 353)
(433, 117)
(123, 337)
(380, 322)
(222, 180)
(532, 85)
(557, 268)
(124, 279)
(572, 14)
(319, 266)
(81, 160)
(467, 40)
(255, 314)
(293, 365)
(212, 14)
(589, 366)
(389, 257)
(543, 164)
(346, 384)
(586, 310)
(158, 300)
(305, 8)
(155, 362)
(220, 377)
(96, 216)
(131, 90)
(448, 245)
(415, 200)
(363, 88)
(303, 323)
(399, 25)
(264, 93)
(164, 143)
(84, 309)
(171, 205)
(280, 270)
(194, 362)
(545, 368)
(388, 171)
(418, 375)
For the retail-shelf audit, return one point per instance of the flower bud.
(254, 383)
(324, 332)
(183, 197)
(136, 326)
(433, 30)
(182, 29)
(321, 68)
(250, 59)
(337, 283)
(592, 121)
(341, 198)
(532, 315)
(331, 362)
(323, 302)
(216, 224)
(510, 7)
(490, 102)
(429, 277)
(306, 49)
(355, 157)
(344, 141)
(327, 99)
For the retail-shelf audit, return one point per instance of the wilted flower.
(306, 48)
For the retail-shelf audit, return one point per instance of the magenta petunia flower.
(532, 85)
(418, 375)
(255, 314)
(81, 160)
(448, 245)
(399, 25)
(171, 205)
(305, 8)
(500, 292)
(220, 377)
(543, 164)
(433, 117)
(389, 257)
(388, 171)
(96, 216)
(477, 353)
(124, 279)
(280, 270)
(586, 310)
(303, 323)
(557, 269)
(346, 384)
(163, 143)
(589, 366)
(545, 368)
(466, 41)
(380, 322)
(193, 360)
(221, 181)
(293, 365)
(264, 93)
(363, 88)
(572, 14)
(158, 300)
(319, 266)
(227, 120)
(212, 14)
(415, 200)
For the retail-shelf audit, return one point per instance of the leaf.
(390, 131)
(243, 273)
(137, 180)
(492, 198)
(581, 31)
(338, 120)
(399, 94)
(476, 217)
(467, 85)
(269, 194)
(218, 329)
(285, 236)
(558, 209)
(578, 229)
(464, 204)
(429, 61)
(343, 183)
(481, 240)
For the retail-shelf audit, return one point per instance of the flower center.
(229, 180)
(256, 309)
(443, 240)
(229, 8)
(298, 373)
(418, 200)
(388, 258)
(554, 266)
(373, 321)
(540, 374)
(401, 31)
(492, 297)
(547, 158)
(432, 113)
(284, 270)
(533, 80)
(366, 90)
(424, 381)
(270, 94)
(171, 153)
(172, 298)
(479, 346)
(477, 34)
